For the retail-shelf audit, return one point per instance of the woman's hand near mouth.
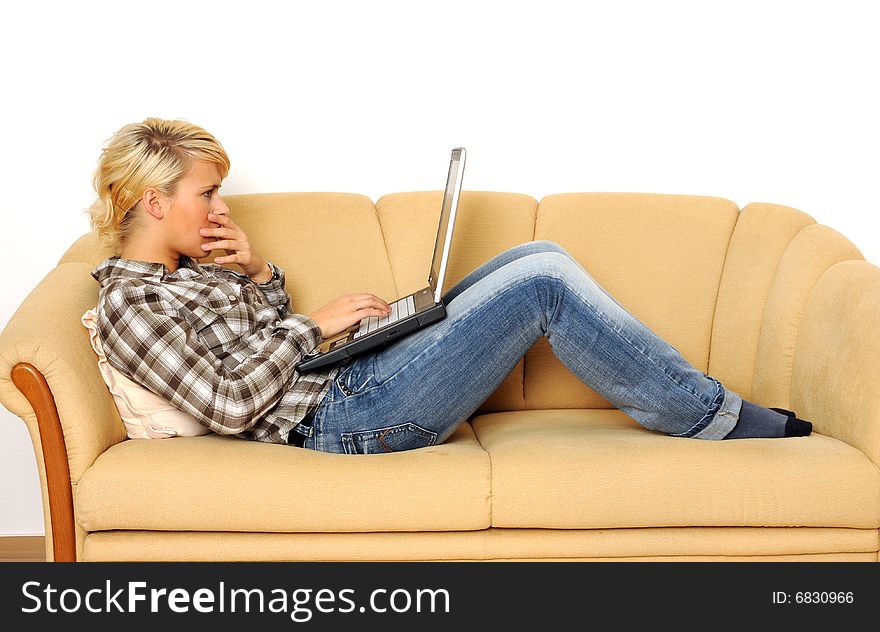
(229, 237)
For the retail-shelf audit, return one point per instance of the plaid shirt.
(212, 342)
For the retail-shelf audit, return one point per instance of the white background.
(752, 101)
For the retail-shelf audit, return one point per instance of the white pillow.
(145, 414)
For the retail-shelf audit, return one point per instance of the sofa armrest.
(54, 470)
(836, 370)
(49, 378)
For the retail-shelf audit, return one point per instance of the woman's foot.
(758, 422)
(794, 427)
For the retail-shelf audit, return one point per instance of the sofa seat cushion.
(221, 483)
(578, 468)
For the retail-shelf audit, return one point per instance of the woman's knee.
(547, 245)
(537, 246)
(548, 269)
(558, 263)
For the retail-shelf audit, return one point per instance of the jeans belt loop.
(305, 426)
(296, 437)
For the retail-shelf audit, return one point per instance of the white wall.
(751, 101)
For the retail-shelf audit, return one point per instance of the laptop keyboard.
(399, 309)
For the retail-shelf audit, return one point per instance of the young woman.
(221, 345)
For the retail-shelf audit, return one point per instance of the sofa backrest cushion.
(659, 255)
(761, 235)
(811, 252)
(775, 258)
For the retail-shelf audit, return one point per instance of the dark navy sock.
(794, 427)
(756, 421)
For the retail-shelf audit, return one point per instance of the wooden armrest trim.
(34, 387)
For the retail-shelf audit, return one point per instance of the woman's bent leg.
(502, 259)
(417, 390)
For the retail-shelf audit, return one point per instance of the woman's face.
(197, 195)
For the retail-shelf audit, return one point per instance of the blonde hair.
(154, 153)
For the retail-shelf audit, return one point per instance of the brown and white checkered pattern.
(212, 342)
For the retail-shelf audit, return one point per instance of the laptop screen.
(443, 241)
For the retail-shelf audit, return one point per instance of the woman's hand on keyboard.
(347, 310)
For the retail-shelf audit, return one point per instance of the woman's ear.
(152, 203)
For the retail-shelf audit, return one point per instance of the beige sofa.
(781, 309)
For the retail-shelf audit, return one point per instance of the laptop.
(412, 312)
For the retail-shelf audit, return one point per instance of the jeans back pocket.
(405, 436)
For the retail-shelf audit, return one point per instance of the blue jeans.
(415, 391)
